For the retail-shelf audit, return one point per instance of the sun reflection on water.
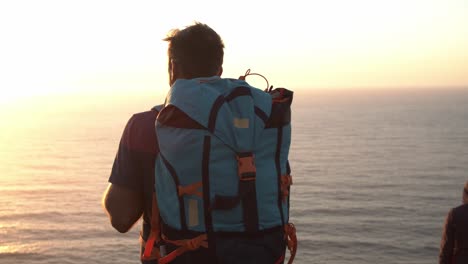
(17, 248)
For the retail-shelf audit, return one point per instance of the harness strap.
(286, 182)
(155, 233)
(184, 246)
(191, 189)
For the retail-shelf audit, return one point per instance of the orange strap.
(155, 233)
(291, 240)
(184, 246)
(246, 168)
(150, 253)
(191, 189)
(286, 181)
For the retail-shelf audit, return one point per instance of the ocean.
(375, 173)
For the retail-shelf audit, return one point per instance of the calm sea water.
(374, 175)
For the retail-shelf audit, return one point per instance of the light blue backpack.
(223, 156)
(223, 162)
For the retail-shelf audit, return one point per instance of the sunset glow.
(100, 46)
(375, 140)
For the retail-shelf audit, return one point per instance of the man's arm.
(123, 206)
(447, 241)
(124, 198)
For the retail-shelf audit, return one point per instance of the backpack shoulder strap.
(157, 108)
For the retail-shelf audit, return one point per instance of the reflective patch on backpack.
(193, 212)
(241, 122)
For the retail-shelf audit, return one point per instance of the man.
(194, 53)
(129, 195)
(454, 243)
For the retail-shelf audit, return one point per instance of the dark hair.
(197, 50)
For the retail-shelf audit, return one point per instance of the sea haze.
(374, 173)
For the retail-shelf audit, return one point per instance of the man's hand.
(124, 207)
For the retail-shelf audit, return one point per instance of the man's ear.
(220, 71)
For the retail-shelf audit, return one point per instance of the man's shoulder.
(149, 114)
(142, 116)
(140, 133)
(145, 118)
(460, 213)
(461, 208)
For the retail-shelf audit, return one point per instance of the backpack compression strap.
(291, 241)
(185, 245)
(155, 234)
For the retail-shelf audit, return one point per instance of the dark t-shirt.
(134, 163)
(454, 243)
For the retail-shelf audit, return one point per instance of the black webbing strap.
(247, 173)
(237, 92)
(214, 113)
(206, 195)
(247, 190)
(262, 115)
(183, 222)
(279, 141)
(288, 171)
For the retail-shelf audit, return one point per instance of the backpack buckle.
(246, 166)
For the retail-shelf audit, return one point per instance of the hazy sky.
(52, 47)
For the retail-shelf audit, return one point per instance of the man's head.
(196, 51)
(465, 193)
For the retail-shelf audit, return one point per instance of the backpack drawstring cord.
(247, 73)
